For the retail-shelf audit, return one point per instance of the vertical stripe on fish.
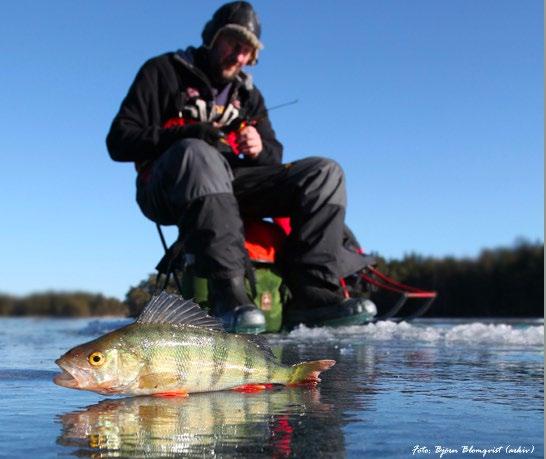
(249, 361)
(219, 358)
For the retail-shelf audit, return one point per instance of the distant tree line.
(70, 304)
(501, 282)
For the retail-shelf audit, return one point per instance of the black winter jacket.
(161, 91)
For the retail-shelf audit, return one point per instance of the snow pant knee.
(189, 170)
(322, 183)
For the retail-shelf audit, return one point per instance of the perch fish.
(175, 348)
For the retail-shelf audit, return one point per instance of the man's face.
(228, 56)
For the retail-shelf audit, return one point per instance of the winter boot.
(230, 303)
(316, 303)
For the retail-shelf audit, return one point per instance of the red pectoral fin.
(174, 393)
(247, 388)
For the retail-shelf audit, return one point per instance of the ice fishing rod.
(285, 104)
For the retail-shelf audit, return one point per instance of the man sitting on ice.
(171, 124)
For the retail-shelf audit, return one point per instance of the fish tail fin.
(307, 373)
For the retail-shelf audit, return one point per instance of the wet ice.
(396, 385)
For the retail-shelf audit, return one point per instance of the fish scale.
(202, 359)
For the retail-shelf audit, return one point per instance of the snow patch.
(496, 333)
(319, 333)
(473, 333)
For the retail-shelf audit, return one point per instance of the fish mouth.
(65, 379)
(73, 377)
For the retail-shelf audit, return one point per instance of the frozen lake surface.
(427, 389)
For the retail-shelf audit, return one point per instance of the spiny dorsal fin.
(168, 308)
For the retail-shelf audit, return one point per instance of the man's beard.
(218, 76)
(216, 70)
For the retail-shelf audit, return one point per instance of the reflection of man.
(172, 125)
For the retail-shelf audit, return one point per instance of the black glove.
(203, 131)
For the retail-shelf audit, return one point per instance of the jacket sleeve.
(272, 148)
(136, 133)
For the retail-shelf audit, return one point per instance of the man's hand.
(250, 142)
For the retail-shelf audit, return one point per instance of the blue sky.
(434, 110)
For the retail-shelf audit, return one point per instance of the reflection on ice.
(204, 425)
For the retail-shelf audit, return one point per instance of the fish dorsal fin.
(168, 308)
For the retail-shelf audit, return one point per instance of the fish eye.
(96, 359)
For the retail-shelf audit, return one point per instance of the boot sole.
(355, 319)
(249, 330)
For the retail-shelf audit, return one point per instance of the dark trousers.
(193, 186)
